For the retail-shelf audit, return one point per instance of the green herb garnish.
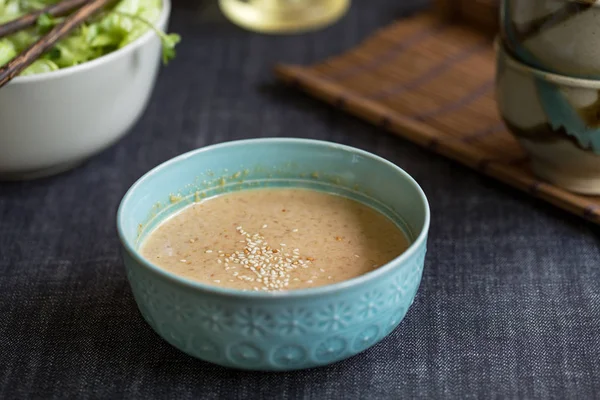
(169, 41)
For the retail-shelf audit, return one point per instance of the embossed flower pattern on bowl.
(334, 317)
(178, 306)
(247, 353)
(257, 325)
(253, 322)
(213, 317)
(289, 355)
(330, 349)
(205, 346)
(370, 304)
(294, 321)
(366, 338)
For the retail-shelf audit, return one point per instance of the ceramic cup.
(559, 36)
(53, 121)
(556, 119)
(282, 330)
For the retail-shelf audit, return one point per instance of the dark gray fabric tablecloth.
(509, 305)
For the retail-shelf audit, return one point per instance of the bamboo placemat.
(432, 82)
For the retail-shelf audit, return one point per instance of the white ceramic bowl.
(51, 122)
(559, 36)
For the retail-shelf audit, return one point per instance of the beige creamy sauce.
(274, 239)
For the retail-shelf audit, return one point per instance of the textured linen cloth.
(509, 305)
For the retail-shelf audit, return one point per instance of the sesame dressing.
(274, 239)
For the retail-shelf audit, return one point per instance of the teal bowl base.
(285, 358)
(274, 336)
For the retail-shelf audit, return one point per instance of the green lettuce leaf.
(110, 30)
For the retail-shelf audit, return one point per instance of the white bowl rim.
(418, 242)
(563, 80)
(97, 62)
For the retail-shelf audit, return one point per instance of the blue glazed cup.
(282, 330)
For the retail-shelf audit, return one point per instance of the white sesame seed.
(208, 251)
(219, 261)
(321, 269)
(183, 260)
(217, 281)
(264, 226)
(294, 230)
(271, 267)
(309, 281)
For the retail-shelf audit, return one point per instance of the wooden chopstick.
(45, 43)
(27, 20)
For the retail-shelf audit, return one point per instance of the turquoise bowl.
(283, 330)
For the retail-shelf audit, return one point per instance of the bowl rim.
(563, 80)
(594, 3)
(97, 62)
(414, 247)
